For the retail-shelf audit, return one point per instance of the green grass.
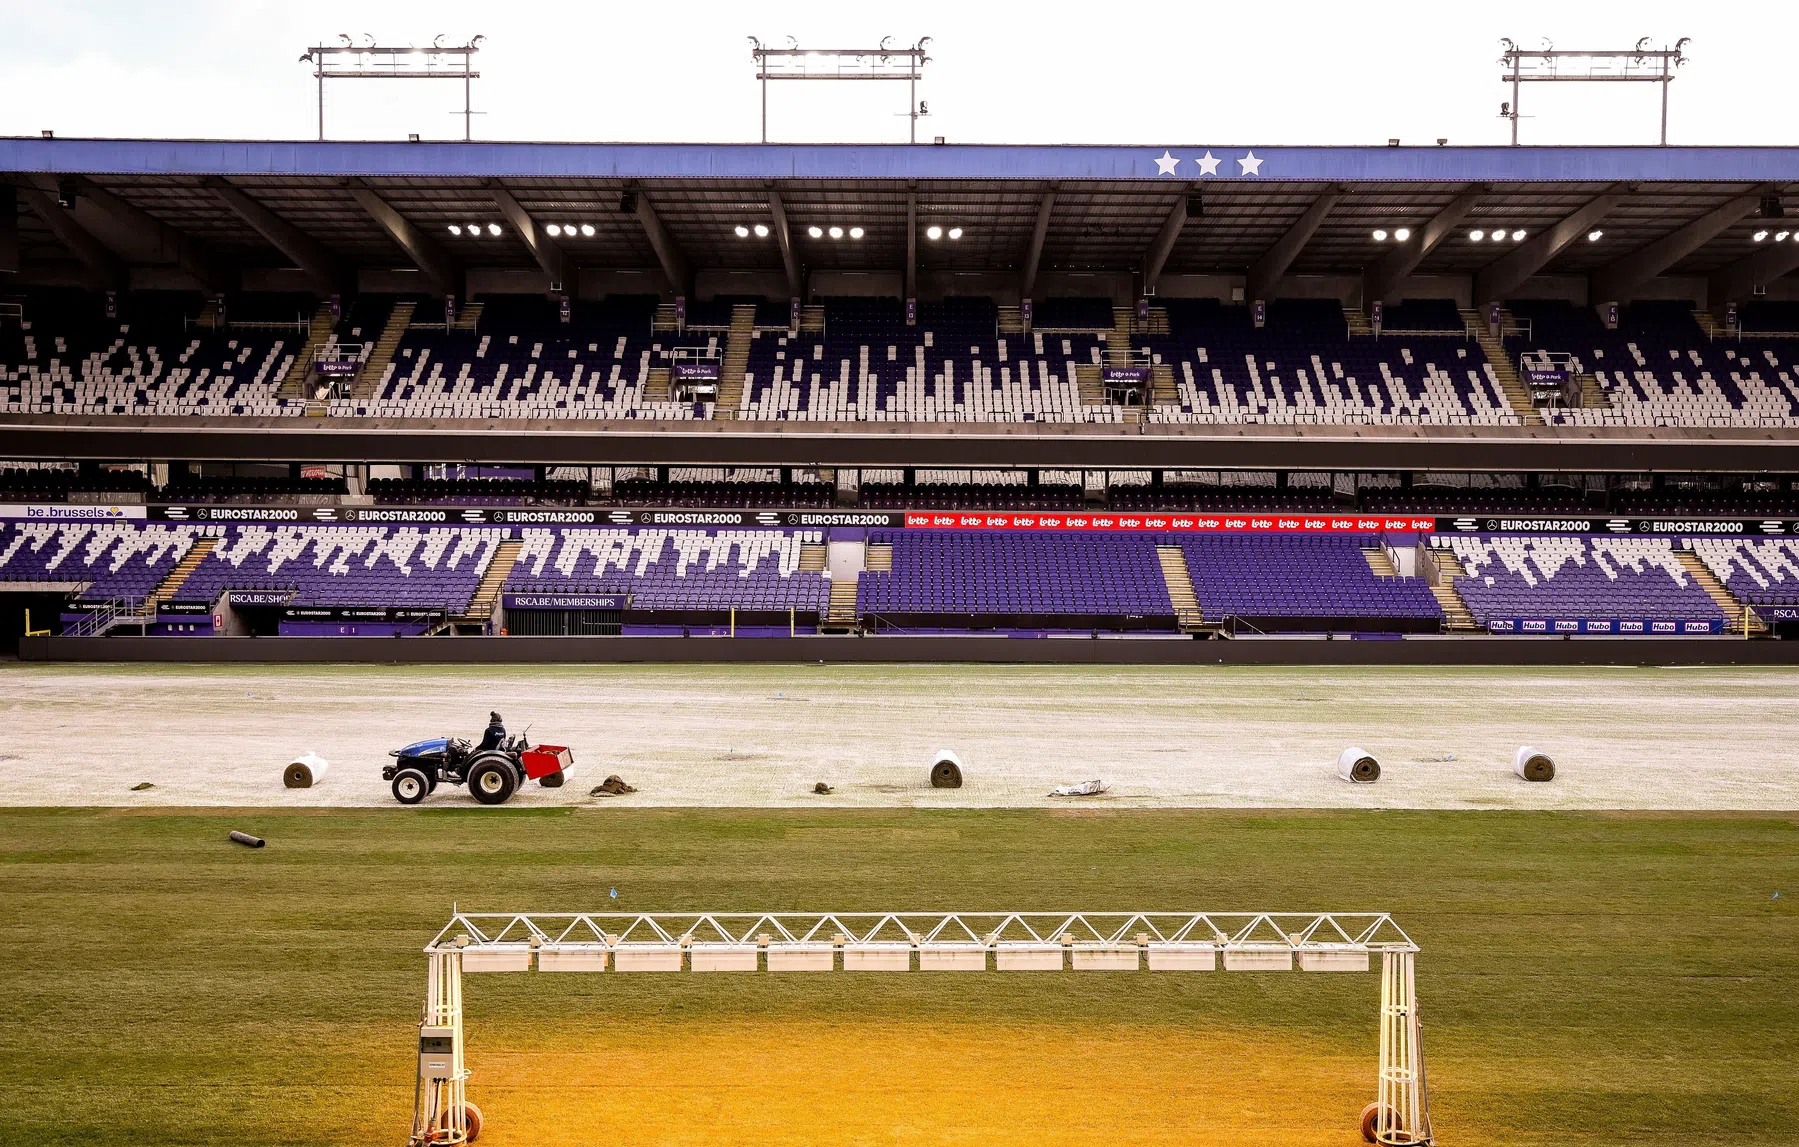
(1586, 979)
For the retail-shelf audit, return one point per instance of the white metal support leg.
(1403, 1113)
(440, 1111)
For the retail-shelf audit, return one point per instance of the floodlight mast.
(1638, 65)
(880, 63)
(372, 61)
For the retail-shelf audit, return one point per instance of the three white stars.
(1167, 162)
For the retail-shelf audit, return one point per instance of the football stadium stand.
(1511, 579)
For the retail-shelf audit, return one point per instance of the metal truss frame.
(902, 941)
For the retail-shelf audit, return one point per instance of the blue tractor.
(492, 775)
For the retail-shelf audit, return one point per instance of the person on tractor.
(495, 736)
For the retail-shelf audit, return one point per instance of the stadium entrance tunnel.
(994, 942)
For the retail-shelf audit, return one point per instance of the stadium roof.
(216, 207)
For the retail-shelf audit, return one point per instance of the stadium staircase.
(469, 317)
(812, 320)
(1708, 323)
(1493, 346)
(1357, 323)
(1380, 562)
(212, 314)
(487, 594)
(664, 318)
(1179, 581)
(1458, 618)
(301, 382)
(1011, 321)
(878, 556)
(1119, 341)
(1737, 615)
(656, 387)
(397, 321)
(840, 615)
(736, 362)
(1592, 394)
(812, 558)
(182, 571)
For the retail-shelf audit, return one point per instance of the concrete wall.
(849, 650)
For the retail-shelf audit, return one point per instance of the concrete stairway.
(178, 576)
(370, 376)
(879, 556)
(812, 320)
(1161, 385)
(1011, 321)
(300, 381)
(841, 613)
(1592, 394)
(1507, 376)
(1458, 617)
(1380, 562)
(656, 386)
(664, 319)
(736, 362)
(469, 317)
(1158, 321)
(487, 594)
(813, 558)
(1357, 322)
(1087, 377)
(1708, 323)
(1179, 581)
(1735, 613)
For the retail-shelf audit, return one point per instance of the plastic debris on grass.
(1090, 788)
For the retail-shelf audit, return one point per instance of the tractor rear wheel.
(411, 786)
(492, 782)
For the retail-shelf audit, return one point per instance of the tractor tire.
(411, 786)
(471, 1118)
(552, 780)
(492, 781)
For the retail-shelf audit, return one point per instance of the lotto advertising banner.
(1247, 523)
(1610, 626)
(1690, 527)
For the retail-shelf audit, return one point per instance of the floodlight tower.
(372, 61)
(1638, 65)
(881, 63)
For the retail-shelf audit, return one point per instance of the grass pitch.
(1586, 978)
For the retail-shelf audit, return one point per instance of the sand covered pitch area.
(762, 736)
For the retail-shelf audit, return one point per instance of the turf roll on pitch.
(1533, 765)
(1357, 766)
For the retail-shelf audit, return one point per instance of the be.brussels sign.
(1604, 626)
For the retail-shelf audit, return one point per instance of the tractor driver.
(495, 735)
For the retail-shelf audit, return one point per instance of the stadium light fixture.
(1758, 236)
(1638, 64)
(493, 229)
(1518, 235)
(1403, 234)
(933, 232)
(1595, 235)
(1477, 234)
(1781, 236)
(761, 230)
(955, 232)
(372, 61)
(879, 63)
(857, 232)
(1380, 235)
(742, 231)
(555, 229)
(457, 230)
(587, 230)
(836, 232)
(472, 228)
(816, 232)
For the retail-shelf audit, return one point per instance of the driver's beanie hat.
(493, 719)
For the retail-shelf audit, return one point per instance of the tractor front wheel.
(411, 786)
(492, 782)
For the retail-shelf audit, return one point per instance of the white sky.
(1144, 72)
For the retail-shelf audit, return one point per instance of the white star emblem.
(1208, 164)
(1250, 164)
(1166, 164)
